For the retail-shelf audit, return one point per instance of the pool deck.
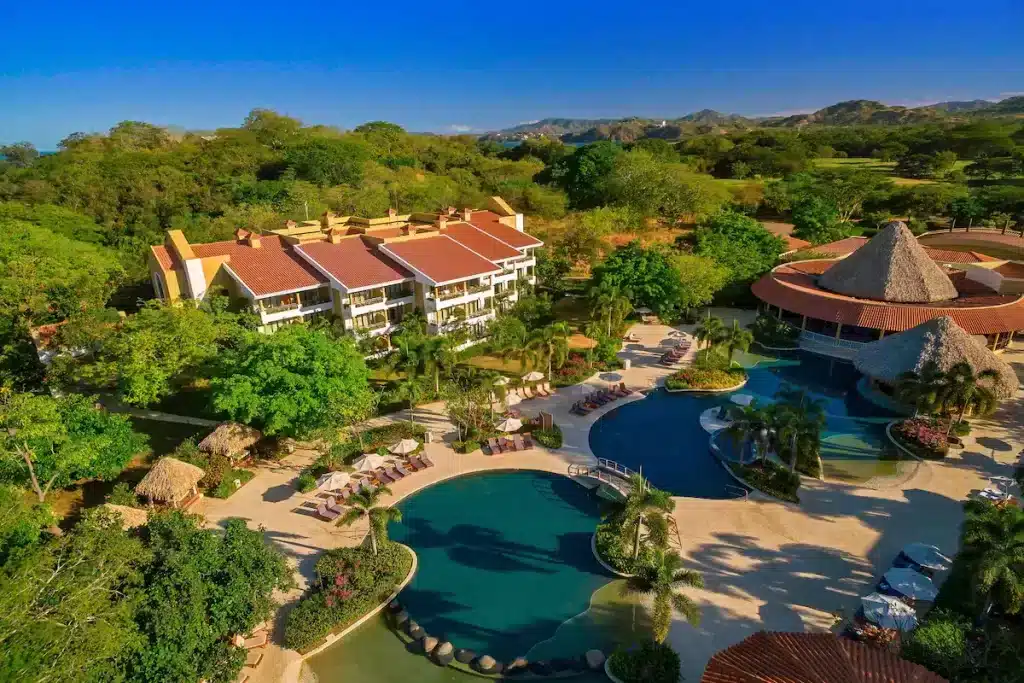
(766, 565)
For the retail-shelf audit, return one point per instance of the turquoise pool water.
(504, 561)
(662, 433)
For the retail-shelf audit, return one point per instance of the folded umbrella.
(927, 556)
(911, 583)
(888, 612)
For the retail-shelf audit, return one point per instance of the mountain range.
(851, 112)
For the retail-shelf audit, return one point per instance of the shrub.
(615, 553)
(217, 467)
(962, 428)
(367, 580)
(549, 438)
(305, 482)
(939, 644)
(650, 663)
(923, 437)
(465, 446)
(694, 377)
(227, 483)
(770, 478)
(122, 494)
(770, 331)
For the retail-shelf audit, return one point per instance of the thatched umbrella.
(892, 266)
(170, 481)
(230, 440)
(130, 517)
(811, 658)
(939, 340)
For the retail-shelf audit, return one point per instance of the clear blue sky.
(478, 66)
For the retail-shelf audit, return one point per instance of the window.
(158, 286)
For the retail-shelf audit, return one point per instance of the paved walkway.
(766, 565)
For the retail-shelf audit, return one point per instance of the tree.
(48, 442)
(993, 541)
(607, 303)
(647, 275)
(921, 389)
(438, 356)
(700, 279)
(294, 382)
(410, 389)
(963, 390)
(752, 426)
(845, 189)
(643, 500)
(710, 331)
(798, 422)
(365, 505)
(549, 345)
(740, 244)
(817, 221)
(736, 337)
(328, 161)
(20, 154)
(966, 210)
(21, 524)
(585, 174)
(661, 580)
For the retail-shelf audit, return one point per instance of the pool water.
(662, 433)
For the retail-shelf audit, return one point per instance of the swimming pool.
(662, 433)
(504, 563)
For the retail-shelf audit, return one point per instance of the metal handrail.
(621, 470)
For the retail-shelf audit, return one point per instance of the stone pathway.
(766, 565)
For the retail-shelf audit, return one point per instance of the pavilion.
(888, 284)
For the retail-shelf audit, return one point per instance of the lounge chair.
(600, 398)
(578, 409)
(611, 395)
(528, 393)
(518, 441)
(414, 465)
(528, 440)
(326, 513)
(395, 474)
(540, 391)
(623, 390)
(259, 638)
(492, 445)
(508, 445)
(590, 405)
(382, 476)
(401, 470)
(344, 493)
(333, 506)
(424, 460)
(253, 659)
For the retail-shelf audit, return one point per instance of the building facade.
(457, 267)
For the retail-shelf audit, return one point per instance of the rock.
(444, 648)
(541, 668)
(464, 656)
(485, 664)
(428, 643)
(517, 666)
(410, 625)
(395, 607)
(595, 659)
(417, 633)
(401, 618)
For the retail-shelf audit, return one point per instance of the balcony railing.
(370, 327)
(278, 308)
(369, 301)
(480, 313)
(477, 289)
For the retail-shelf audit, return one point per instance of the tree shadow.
(279, 493)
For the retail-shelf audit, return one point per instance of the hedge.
(650, 663)
(770, 478)
(696, 378)
(549, 438)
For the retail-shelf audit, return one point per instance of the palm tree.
(608, 304)
(661, 580)
(436, 356)
(710, 331)
(410, 389)
(963, 390)
(643, 500)
(921, 389)
(753, 425)
(734, 338)
(365, 505)
(993, 541)
(798, 428)
(549, 344)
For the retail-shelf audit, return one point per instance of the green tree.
(700, 279)
(20, 154)
(710, 331)
(549, 345)
(963, 389)
(643, 501)
(817, 221)
(438, 357)
(921, 389)
(328, 161)
(734, 338)
(993, 541)
(798, 421)
(966, 210)
(740, 244)
(661, 581)
(845, 189)
(647, 275)
(21, 524)
(48, 442)
(586, 173)
(751, 426)
(297, 381)
(410, 389)
(609, 305)
(365, 505)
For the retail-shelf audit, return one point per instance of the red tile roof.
(480, 242)
(950, 256)
(1011, 269)
(810, 658)
(440, 258)
(794, 243)
(488, 222)
(354, 263)
(978, 309)
(163, 256)
(842, 247)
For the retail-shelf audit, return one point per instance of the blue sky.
(478, 66)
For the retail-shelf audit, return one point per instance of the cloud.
(460, 128)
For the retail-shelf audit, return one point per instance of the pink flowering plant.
(923, 436)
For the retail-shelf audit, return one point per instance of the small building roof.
(842, 247)
(479, 241)
(940, 341)
(489, 223)
(230, 439)
(891, 267)
(769, 657)
(354, 263)
(130, 517)
(440, 258)
(170, 480)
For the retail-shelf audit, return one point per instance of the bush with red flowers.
(923, 437)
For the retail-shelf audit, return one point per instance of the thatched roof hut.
(811, 658)
(940, 340)
(130, 517)
(230, 439)
(170, 481)
(893, 267)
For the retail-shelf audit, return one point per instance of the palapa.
(130, 517)
(230, 440)
(939, 340)
(892, 267)
(170, 481)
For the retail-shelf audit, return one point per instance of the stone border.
(333, 638)
(777, 348)
(707, 391)
(597, 556)
(608, 670)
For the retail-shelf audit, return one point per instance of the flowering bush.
(922, 436)
(705, 378)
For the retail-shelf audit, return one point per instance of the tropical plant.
(921, 389)
(438, 356)
(642, 501)
(609, 305)
(798, 421)
(660, 581)
(364, 504)
(993, 542)
(549, 345)
(410, 389)
(710, 331)
(751, 425)
(963, 390)
(735, 337)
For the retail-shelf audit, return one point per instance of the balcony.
(367, 301)
(483, 312)
(504, 294)
(278, 308)
(275, 313)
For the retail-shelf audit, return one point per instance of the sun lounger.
(528, 393)
(539, 389)
(344, 493)
(413, 465)
(383, 477)
(332, 506)
(257, 639)
(610, 394)
(590, 405)
(492, 446)
(528, 440)
(547, 388)
(508, 445)
(623, 390)
(253, 659)
(323, 511)
(395, 474)
(421, 461)
(518, 441)
(401, 470)
(578, 409)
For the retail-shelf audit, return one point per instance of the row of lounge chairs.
(332, 507)
(537, 391)
(513, 442)
(675, 355)
(599, 398)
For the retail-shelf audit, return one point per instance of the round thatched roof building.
(940, 341)
(170, 481)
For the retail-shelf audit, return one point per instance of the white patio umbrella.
(513, 399)
(404, 447)
(888, 612)
(511, 424)
(332, 481)
(368, 462)
(928, 556)
(501, 381)
(533, 376)
(742, 399)
(911, 583)
(643, 310)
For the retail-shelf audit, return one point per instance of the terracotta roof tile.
(842, 247)
(440, 258)
(163, 256)
(950, 256)
(794, 243)
(480, 242)
(1011, 269)
(272, 268)
(489, 223)
(354, 263)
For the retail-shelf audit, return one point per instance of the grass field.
(885, 168)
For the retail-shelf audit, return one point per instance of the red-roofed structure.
(354, 264)
(440, 259)
(490, 222)
(480, 242)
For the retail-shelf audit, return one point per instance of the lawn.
(882, 167)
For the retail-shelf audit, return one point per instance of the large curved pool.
(504, 563)
(662, 433)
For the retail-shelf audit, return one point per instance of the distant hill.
(849, 113)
